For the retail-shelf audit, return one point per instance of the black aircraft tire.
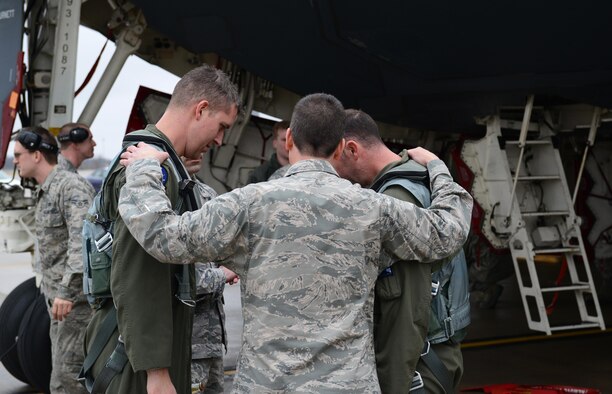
(12, 311)
(34, 345)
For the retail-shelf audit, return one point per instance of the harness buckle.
(190, 303)
(417, 382)
(104, 242)
(426, 348)
(448, 327)
(435, 288)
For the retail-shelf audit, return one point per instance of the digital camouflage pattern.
(209, 374)
(65, 164)
(67, 348)
(63, 200)
(279, 173)
(307, 248)
(209, 336)
(62, 203)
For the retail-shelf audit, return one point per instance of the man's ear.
(352, 149)
(37, 156)
(289, 142)
(339, 150)
(201, 106)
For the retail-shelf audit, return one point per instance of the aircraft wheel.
(34, 345)
(12, 311)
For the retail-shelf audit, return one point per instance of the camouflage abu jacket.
(65, 164)
(307, 248)
(63, 200)
(209, 336)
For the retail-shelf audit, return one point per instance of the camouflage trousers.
(208, 373)
(67, 352)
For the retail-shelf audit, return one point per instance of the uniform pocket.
(100, 272)
(50, 219)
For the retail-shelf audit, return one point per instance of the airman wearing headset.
(62, 201)
(76, 145)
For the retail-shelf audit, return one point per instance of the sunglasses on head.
(33, 142)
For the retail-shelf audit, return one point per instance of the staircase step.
(557, 250)
(575, 326)
(530, 142)
(576, 286)
(533, 178)
(546, 213)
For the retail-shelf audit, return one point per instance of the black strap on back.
(108, 326)
(186, 184)
(437, 368)
(113, 367)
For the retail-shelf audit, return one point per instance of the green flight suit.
(401, 311)
(154, 324)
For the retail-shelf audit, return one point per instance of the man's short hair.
(205, 83)
(283, 125)
(317, 124)
(361, 127)
(72, 133)
(45, 143)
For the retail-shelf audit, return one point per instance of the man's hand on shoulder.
(421, 156)
(142, 151)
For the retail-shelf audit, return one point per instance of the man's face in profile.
(209, 131)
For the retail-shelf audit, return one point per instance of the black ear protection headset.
(33, 142)
(78, 134)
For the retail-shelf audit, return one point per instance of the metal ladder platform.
(533, 212)
(548, 227)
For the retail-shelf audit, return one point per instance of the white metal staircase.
(532, 212)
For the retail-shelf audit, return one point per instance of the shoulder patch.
(164, 176)
(387, 272)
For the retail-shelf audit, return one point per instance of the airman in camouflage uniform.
(278, 159)
(307, 248)
(208, 337)
(76, 145)
(63, 200)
